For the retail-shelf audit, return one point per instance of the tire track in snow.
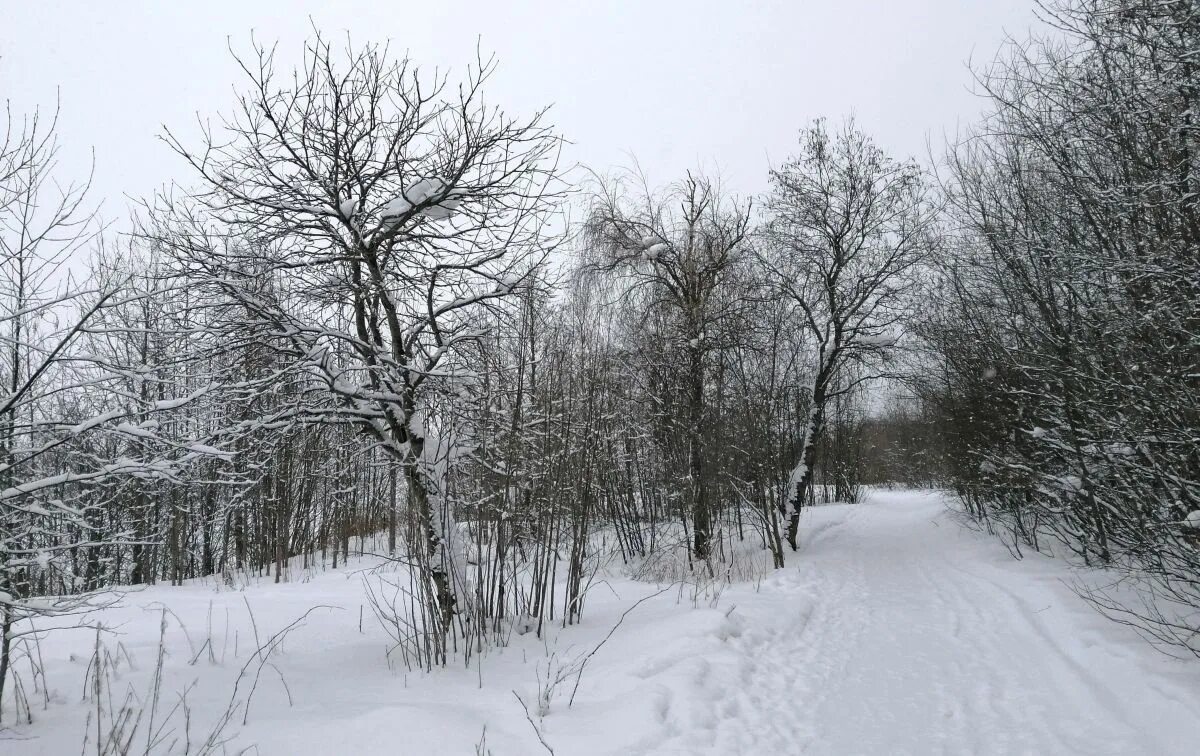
(1057, 663)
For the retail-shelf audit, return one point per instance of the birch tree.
(847, 227)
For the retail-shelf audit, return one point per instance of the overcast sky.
(678, 84)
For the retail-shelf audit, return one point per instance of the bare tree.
(362, 215)
(847, 228)
(56, 398)
(679, 250)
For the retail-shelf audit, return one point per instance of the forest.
(378, 314)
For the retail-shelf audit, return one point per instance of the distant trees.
(903, 443)
(767, 327)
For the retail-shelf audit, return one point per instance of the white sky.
(678, 84)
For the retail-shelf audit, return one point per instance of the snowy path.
(898, 631)
(894, 630)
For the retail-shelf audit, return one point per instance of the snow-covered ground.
(894, 630)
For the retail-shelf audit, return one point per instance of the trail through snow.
(900, 631)
(894, 630)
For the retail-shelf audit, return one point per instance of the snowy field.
(894, 630)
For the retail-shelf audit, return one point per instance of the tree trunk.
(391, 517)
(5, 649)
(434, 563)
(701, 511)
(802, 475)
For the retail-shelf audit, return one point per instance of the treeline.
(1066, 327)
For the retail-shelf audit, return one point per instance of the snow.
(170, 404)
(877, 339)
(396, 207)
(1070, 483)
(446, 207)
(1192, 520)
(422, 191)
(348, 207)
(892, 630)
(96, 421)
(654, 251)
(508, 282)
(437, 212)
(209, 451)
(134, 430)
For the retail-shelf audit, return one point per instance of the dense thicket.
(1066, 324)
